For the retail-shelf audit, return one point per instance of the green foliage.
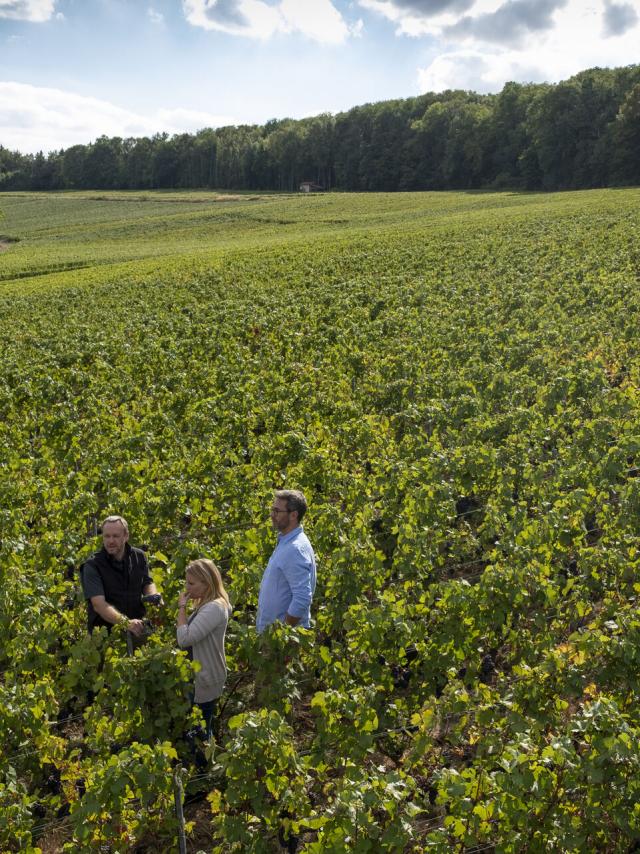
(265, 783)
(368, 812)
(126, 799)
(16, 816)
(453, 381)
(146, 697)
(280, 652)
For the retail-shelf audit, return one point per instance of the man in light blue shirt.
(289, 580)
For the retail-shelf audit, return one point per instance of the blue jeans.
(208, 710)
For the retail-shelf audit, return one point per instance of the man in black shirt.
(115, 578)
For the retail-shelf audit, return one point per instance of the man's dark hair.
(295, 501)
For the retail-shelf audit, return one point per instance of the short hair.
(295, 501)
(207, 572)
(110, 519)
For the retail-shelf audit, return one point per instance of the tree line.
(583, 132)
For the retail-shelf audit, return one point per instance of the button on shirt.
(288, 582)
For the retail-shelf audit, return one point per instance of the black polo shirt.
(121, 583)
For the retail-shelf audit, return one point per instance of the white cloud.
(513, 23)
(27, 10)
(251, 18)
(528, 44)
(40, 119)
(155, 17)
(494, 21)
(410, 21)
(317, 19)
(619, 17)
(476, 72)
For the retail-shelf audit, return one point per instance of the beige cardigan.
(204, 633)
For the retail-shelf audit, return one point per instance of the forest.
(580, 133)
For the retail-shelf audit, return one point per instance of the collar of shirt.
(119, 565)
(284, 538)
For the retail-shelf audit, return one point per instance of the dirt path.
(4, 246)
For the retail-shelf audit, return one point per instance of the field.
(453, 380)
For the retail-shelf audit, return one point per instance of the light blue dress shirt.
(288, 582)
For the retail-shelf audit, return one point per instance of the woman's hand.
(183, 598)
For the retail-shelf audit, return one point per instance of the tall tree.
(103, 164)
(626, 165)
(73, 167)
(137, 163)
(508, 135)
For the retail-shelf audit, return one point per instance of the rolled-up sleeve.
(205, 621)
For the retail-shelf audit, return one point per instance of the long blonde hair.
(208, 573)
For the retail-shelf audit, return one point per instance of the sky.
(74, 70)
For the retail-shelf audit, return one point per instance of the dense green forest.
(581, 133)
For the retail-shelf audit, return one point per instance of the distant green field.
(52, 232)
(454, 381)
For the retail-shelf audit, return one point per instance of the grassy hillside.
(452, 379)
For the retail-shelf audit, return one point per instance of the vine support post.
(177, 797)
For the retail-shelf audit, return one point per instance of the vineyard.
(454, 382)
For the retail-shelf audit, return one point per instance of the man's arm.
(111, 615)
(148, 587)
(297, 571)
(94, 591)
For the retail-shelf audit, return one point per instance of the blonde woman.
(203, 631)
